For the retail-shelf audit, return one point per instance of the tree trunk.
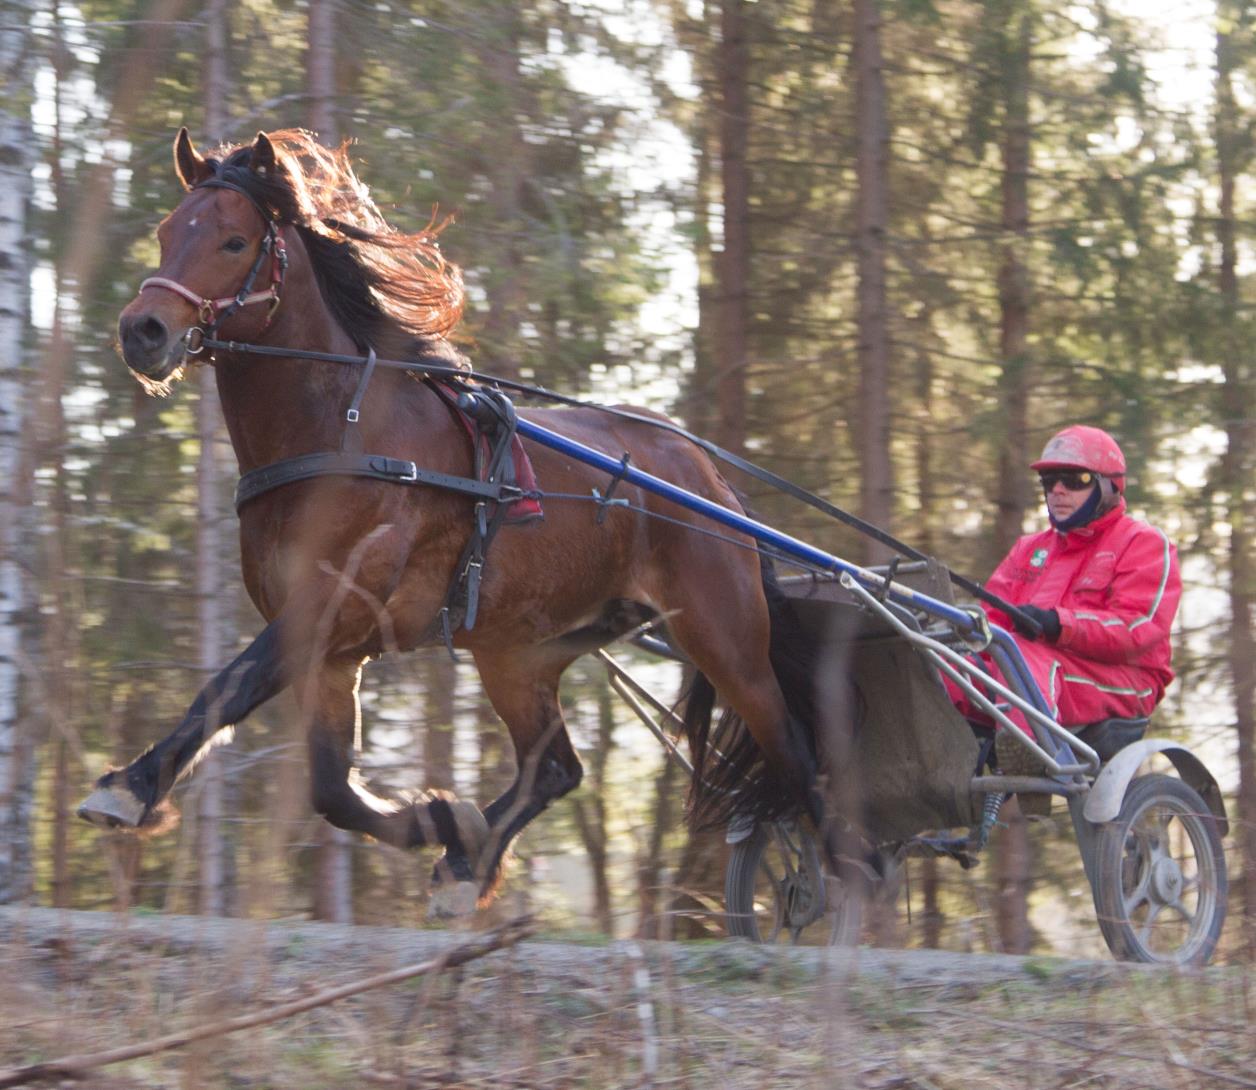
(1014, 855)
(506, 284)
(333, 854)
(17, 750)
(699, 875)
(60, 643)
(320, 68)
(590, 810)
(441, 677)
(697, 408)
(651, 924)
(934, 918)
(213, 895)
(733, 262)
(872, 230)
(1013, 286)
(1236, 475)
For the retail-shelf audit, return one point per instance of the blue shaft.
(735, 520)
(790, 546)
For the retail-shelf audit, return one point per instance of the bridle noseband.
(213, 312)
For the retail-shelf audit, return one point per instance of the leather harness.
(488, 414)
(490, 418)
(478, 402)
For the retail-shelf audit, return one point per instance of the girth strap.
(396, 470)
(492, 419)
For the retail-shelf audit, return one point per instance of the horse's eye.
(235, 245)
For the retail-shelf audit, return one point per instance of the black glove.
(1048, 620)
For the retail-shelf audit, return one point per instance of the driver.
(1102, 586)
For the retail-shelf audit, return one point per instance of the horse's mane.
(374, 278)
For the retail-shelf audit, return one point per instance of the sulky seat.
(1109, 736)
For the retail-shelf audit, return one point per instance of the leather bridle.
(213, 312)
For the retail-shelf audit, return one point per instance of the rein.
(200, 340)
(478, 404)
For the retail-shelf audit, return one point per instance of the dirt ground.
(553, 1014)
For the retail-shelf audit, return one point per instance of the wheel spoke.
(1188, 917)
(1156, 838)
(1144, 932)
(1141, 892)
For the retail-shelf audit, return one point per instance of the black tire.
(1160, 875)
(776, 890)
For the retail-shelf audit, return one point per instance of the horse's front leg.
(130, 797)
(329, 704)
(547, 766)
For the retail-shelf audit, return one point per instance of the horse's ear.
(262, 159)
(189, 164)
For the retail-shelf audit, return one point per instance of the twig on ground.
(76, 1066)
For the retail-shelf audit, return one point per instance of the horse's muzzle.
(147, 345)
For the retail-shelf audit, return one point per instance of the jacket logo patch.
(1038, 558)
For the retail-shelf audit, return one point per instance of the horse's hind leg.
(329, 702)
(525, 694)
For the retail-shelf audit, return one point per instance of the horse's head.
(223, 258)
(222, 261)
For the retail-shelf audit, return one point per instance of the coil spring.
(990, 816)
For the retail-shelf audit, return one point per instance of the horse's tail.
(731, 779)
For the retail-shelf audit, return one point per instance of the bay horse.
(277, 243)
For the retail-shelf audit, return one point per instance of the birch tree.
(16, 158)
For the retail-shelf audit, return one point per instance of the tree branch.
(76, 1066)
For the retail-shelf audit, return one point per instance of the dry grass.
(550, 1015)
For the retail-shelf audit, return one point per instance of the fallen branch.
(72, 1067)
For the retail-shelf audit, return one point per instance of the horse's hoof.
(453, 900)
(112, 807)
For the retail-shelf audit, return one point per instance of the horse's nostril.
(150, 331)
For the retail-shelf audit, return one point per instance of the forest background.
(886, 248)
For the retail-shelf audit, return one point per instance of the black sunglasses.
(1073, 479)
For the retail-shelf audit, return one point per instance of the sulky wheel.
(1160, 875)
(775, 890)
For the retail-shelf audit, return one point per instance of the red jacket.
(1114, 583)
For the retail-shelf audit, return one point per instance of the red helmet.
(1083, 447)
